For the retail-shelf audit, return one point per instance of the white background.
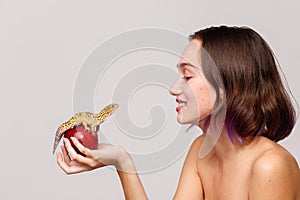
(42, 46)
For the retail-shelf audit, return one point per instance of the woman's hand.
(71, 162)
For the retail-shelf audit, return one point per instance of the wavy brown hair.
(257, 101)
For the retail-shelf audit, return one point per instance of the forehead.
(192, 53)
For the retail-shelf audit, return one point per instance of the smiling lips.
(181, 104)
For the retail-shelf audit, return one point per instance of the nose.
(175, 90)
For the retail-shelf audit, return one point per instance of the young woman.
(229, 85)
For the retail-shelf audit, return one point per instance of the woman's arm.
(71, 163)
(131, 183)
(132, 186)
(190, 186)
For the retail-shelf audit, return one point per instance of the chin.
(184, 121)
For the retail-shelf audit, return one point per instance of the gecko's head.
(114, 106)
(111, 107)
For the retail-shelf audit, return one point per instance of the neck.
(226, 150)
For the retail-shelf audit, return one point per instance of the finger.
(66, 157)
(69, 169)
(70, 150)
(61, 163)
(59, 158)
(81, 148)
(74, 155)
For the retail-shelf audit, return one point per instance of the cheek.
(205, 96)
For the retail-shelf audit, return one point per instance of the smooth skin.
(258, 169)
(270, 173)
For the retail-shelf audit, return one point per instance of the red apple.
(85, 137)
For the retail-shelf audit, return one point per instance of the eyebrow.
(182, 65)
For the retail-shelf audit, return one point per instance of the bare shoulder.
(277, 159)
(275, 174)
(190, 186)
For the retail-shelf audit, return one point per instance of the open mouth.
(181, 104)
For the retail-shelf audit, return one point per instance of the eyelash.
(187, 78)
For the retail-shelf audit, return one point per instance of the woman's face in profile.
(194, 94)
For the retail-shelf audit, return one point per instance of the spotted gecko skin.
(90, 121)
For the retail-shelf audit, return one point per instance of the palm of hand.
(71, 162)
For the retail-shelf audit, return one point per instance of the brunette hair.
(257, 101)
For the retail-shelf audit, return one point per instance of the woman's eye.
(187, 78)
